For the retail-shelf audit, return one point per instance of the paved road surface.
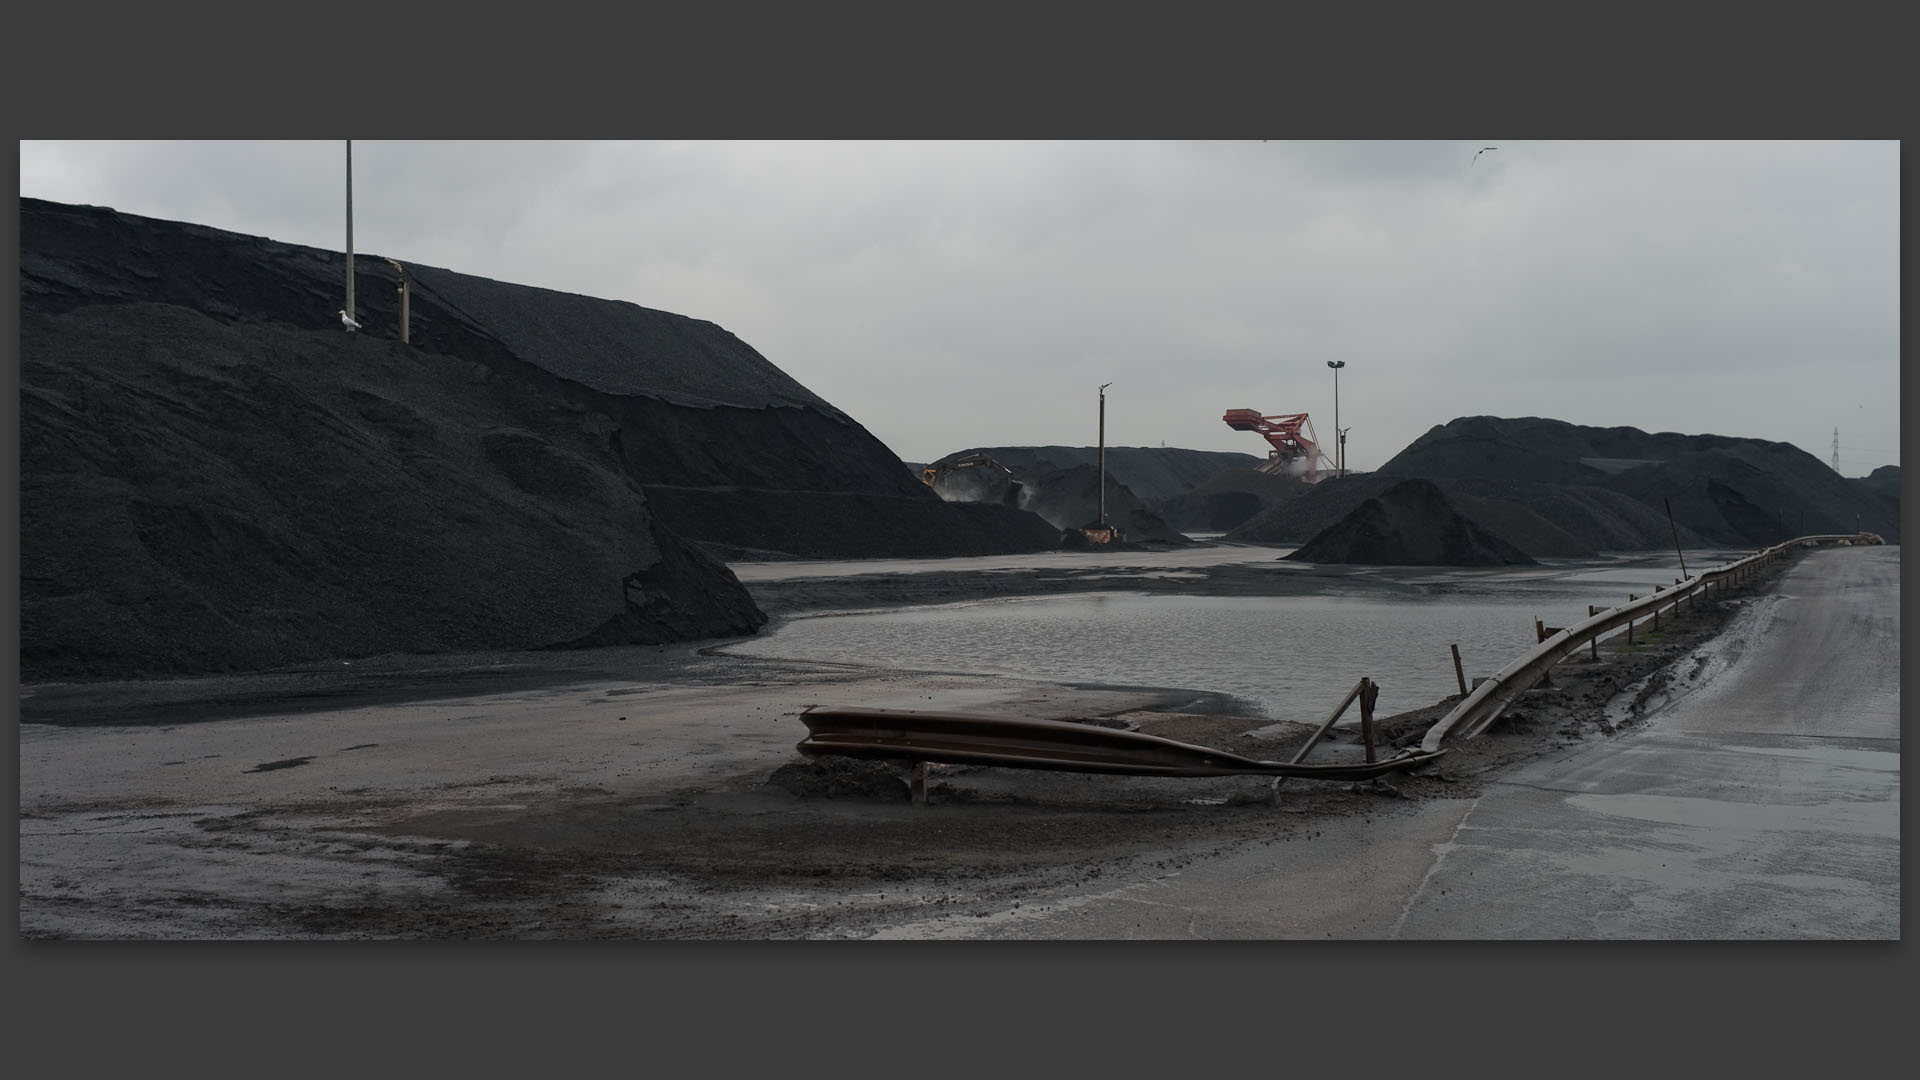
(1762, 801)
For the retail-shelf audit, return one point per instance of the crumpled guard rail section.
(913, 736)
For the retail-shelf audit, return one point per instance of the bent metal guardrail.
(1490, 699)
(911, 735)
(919, 737)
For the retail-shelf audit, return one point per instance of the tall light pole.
(1339, 440)
(350, 314)
(1103, 453)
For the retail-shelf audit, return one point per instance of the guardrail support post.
(1593, 643)
(918, 783)
(1459, 675)
(1630, 599)
(1369, 691)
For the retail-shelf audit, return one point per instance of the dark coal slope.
(1228, 500)
(1726, 490)
(1069, 498)
(1059, 483)
(733, 453)
(1411, 523)
(705, 421)
(1554, 489)
(200, 497)
(1151, 473)
(1883, 481)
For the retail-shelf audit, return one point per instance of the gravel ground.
(655, 793)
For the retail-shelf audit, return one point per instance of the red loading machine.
(1290, 434)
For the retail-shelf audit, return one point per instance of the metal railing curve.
(1487, 701)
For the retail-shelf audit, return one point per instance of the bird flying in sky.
(1482, 150)
(347, 321)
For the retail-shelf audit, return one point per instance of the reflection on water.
(1287, 658)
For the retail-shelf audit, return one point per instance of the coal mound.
(216, 477)
(1411, 523)
(1061, 484)
(1151, 473)
(1228, 500)
(707, 425)
(198, 497)
(1554, 489)
(1069, 499)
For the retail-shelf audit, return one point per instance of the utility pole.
(1836, 449)
(1103, 453)
(350, 314)
(1339, 436)
(406, 319)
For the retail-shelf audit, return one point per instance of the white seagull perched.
(1482, 150)
(347, 321)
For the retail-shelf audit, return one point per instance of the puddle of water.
(1289, 658)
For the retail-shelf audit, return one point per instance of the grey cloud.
(956, 294)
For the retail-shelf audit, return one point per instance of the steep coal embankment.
(1411, 523)
(732, 452)
(202, 498)
(1070, 498)
(1149, 472)
(1554, 489)
(1228, 500)
(1060, 483)
(216, 477)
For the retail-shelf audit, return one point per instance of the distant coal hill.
(1154, 494)
(1547, 488)
(1411, 523)
(216, 477)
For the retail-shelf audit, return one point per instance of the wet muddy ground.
(656, 794)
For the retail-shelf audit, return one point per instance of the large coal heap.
(198, 497)
(1554, 489)
(215, 476)
(732, 452)
(1151, 473)
(1229, 499)
(1411, 523)
(1062, 483)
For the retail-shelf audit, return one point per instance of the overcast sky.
(957, 294)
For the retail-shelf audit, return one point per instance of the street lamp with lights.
(1339, 436)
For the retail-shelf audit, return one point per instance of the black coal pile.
(1151, 473)
(732, 453)
(1410, 523)
(215, 476)
(1553, 489)
(1069, 499)
(1143, 484)
(1883, 481)
(1228, 500)
(198, 497)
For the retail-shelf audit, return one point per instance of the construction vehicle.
(1296, 449)
(956, 479)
